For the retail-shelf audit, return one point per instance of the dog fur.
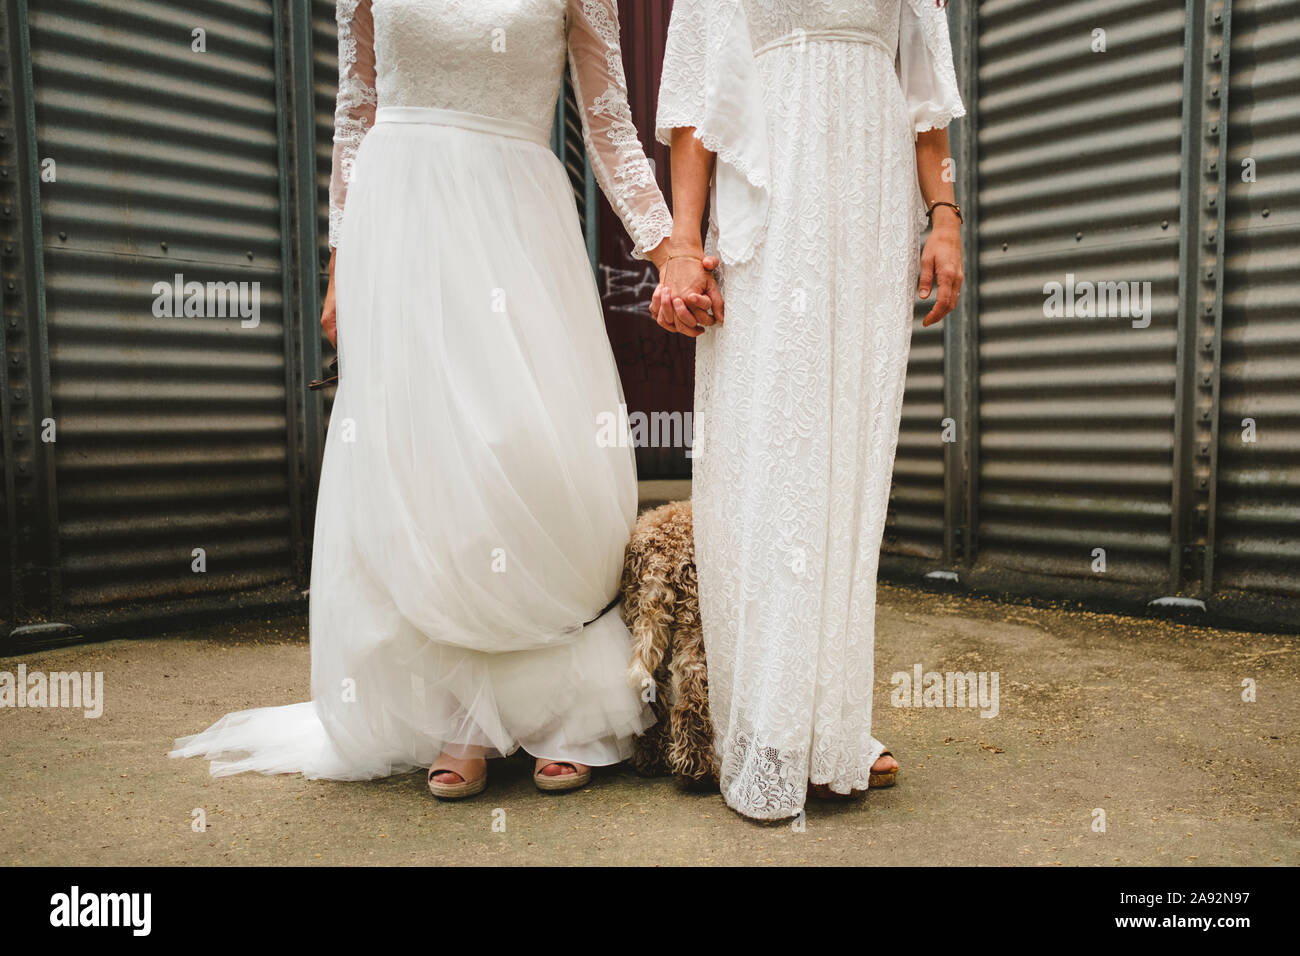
(661, 607)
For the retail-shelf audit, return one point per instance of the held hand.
(661, 256)
(941, 257)
(687, 299)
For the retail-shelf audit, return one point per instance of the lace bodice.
(771, 19)
(499, 58)
(712, 82)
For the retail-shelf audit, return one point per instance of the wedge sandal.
(456, 791)
(564, 781)
(881, 780)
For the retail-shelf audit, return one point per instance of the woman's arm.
(686, 286)
(929, 85)
(942, 254)
(611, 139)
(692, 167)
(354, 114)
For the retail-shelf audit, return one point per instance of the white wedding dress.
(470, 528)
(812, 107)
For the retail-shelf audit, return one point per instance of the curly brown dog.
(661, 607)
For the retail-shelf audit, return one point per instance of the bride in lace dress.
(470, 528)
(825, 122)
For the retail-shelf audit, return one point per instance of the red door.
(657, 367)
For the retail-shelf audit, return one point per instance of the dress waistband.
(841, 34)
(477, 122)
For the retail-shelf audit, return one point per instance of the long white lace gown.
(812, 107)
(470, 527)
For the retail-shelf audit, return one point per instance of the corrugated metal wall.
(1076, 414)
(27, 516)
(171, 430)
(915, 523)
(1094, 152)
(1258, 486)
(325, 78)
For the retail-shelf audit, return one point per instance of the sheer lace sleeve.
(613, 146)
(925, 69)
(354, 111)
(710, 83)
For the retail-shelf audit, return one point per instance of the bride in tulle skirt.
(470, 527)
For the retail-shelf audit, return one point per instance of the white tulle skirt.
(470, 526)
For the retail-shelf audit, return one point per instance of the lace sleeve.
(354, 111)
(925, 69)
(613, 146)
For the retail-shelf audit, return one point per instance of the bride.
(469, 529)
(821, 125)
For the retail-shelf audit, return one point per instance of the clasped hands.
(687, 299)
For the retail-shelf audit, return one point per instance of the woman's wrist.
(668, 250)
(659, 254)
(944, 218)
(685, 242)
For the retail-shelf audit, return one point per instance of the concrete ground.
(1141, 719)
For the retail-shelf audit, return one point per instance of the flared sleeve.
(925, 70)
(613, 145)
(710, 82)
(354, 110)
